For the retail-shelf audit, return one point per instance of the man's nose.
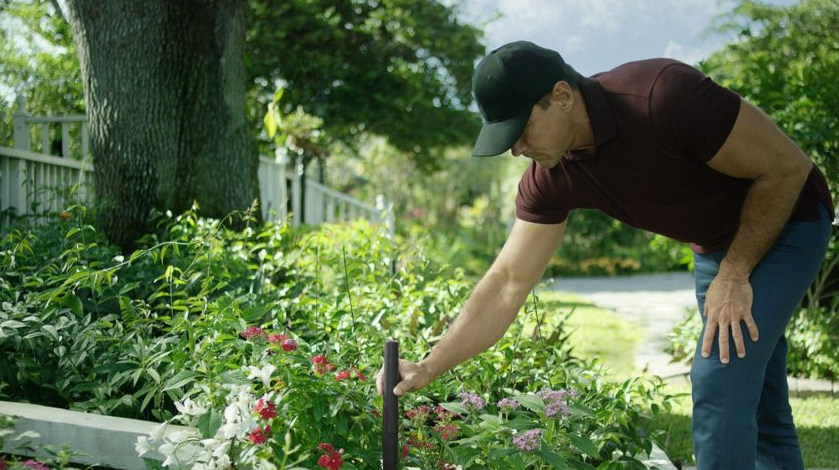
(518, 148)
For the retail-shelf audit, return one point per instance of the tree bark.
(164, 84)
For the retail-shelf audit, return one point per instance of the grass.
(600, 333)
(595, 332)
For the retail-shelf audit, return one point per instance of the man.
(658, 145)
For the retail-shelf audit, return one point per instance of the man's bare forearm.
(765, 211)
(484, 319)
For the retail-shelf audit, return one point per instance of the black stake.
(390, 429)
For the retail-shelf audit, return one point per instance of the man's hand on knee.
(727, 303)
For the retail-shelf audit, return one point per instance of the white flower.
(265, 465)
(222, 449)
(223, 462)
(142, 445)
(190, 408)
(157, 432)
(119, 258)
(264, 373)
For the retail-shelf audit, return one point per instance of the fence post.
(385, 210)
(296, 205)
(20, 119)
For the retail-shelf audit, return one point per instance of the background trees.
(175, 94)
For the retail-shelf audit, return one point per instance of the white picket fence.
(29, 179)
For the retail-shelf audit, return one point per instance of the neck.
(583, 133)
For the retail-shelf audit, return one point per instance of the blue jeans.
(741, 414)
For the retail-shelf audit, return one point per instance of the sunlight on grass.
(595, 333)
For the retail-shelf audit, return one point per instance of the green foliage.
(197, 313)
(785, 61)
(38, 58)
(394, 68)
(597, 245)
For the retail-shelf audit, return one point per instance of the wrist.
(430, 365)
(732, 273)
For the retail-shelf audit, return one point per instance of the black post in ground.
(390, 429)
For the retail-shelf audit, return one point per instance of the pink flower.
(289, 345)
(419, 414)
(3, 465)
(447, 431)
(444, 414)
(471, 399)
(405, 449)
(265, 408)
(35, 465)
(259, 435)
(528, 440)
(253, 332)
(277, 337)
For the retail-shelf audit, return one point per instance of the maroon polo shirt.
(656, 123)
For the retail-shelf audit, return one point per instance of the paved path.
(656, 302)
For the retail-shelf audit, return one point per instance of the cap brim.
(497, 137)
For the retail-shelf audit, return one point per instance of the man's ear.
(563, 94)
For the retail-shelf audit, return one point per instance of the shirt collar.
(602, 122)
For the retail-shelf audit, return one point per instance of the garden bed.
(108, 441)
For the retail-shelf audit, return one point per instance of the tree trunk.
(164, 84)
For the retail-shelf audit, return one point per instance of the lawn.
(600, 333)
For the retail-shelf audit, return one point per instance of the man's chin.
(547, 165)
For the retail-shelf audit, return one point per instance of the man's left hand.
(728, 301)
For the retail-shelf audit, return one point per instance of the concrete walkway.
(656, 303)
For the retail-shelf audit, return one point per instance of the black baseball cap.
(507, 84)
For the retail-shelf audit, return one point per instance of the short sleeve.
(691, 114)
(537, 200)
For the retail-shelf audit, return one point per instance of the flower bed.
(261, 341)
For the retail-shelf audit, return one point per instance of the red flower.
(447, 431)
(258, 435)
(358, 374)
(253, 332)
(322, 365)
(277, 337)
(331, 458)
(3, 465)
(289, 345)
(343, 375)
(376, 413)
(267, 409)
(405, 449)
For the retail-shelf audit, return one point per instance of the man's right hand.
(413, 377)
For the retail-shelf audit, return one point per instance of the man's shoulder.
(636, 77)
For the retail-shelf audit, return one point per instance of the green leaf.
(74, 303)
(112, 367)
(531, 402)
(180, 379)
(521, 424)
(491, 419)
(584, 445)
(209, 423)
(455, 408)
(253, 313)
(580, 410)
(553, 459)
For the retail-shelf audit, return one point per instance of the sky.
(598, 35)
